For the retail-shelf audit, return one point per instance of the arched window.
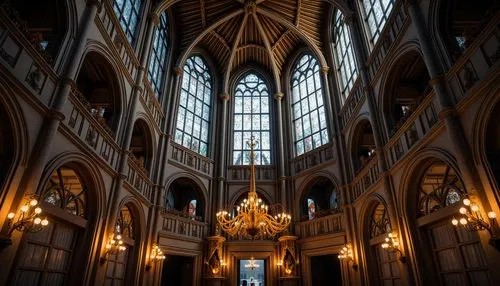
(344, 56)
(251, 118)
(127, 12)
(308, 109)
(159, 52)
(375, 14)
(193, 119)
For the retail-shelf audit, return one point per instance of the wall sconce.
(28, 220)
(391, 244)
(346, 255)
(114, 245)
(156, 256)
(471, 218)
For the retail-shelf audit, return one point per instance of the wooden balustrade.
(352, 104)
(365, 179)
(262, 172)
(393, 29)
(191, 159)
(138, 178)
(480, 58)
(319, 226)
(416, 127)
(23, 56)
(90, 131)
(312, 158)
(183, 227)
(109, 26)
(151, 103)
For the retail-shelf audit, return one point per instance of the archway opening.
(185, 198)
(6, 146)
(141, 144)
(98, 87)
(363, 148)
(321, 199)
(45, 23)
(408, 87)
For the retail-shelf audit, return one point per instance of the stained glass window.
(344, 56)
(193, 118)
(127, 12)
(251, 118)
(158, 61)
(308, 108)
(376, 13)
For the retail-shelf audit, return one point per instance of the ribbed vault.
(239, 32)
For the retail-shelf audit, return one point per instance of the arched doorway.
(50, 256)
(453, 255)
(320, 199)
(387, 270)
(363, 145)
(185, 198)
(98, 88)
(406, 89)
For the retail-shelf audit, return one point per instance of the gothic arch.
(146, 130)
(304, 188)
(355, 135)
(197, 182)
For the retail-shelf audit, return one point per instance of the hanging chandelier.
(252, 219)
(252, 264)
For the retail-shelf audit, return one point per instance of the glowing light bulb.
(454, 221)
(25, 208)
(11, 215)
(463, 221)
(462, 210)
(492, 215)
(119, 237)
(474, 208)
(37, 220)
(466, 202)
(38, 210)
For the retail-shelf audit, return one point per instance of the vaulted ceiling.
(238, 32)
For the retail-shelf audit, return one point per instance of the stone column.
(328, 99)
(222, 151)
(447, 113)
(281, 152)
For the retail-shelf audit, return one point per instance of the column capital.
(178, 71)
(224, 96)
(325, 69)
(279, 96)
(154, 18)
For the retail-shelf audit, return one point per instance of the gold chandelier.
(252, 219)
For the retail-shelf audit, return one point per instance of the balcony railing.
(365, 179)
(138, 178)
(480, 58)
(242, 173)
(90, 131)
(352, 104)
(416, 127)
(191, 159)
(319, 226)
(312, 158)
(22, 54)
(183, 227)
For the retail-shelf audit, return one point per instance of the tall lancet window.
(128, 12)
(344, 56)
(251, 118)
(193, 118)
(308, 108)
(159, 52)
(375, 14)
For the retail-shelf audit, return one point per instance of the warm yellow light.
(33, 202)
(38, 210)
(462, 210)
(474, 208)
(37, 221)
(45, 222)
(454, 221)
(463, 221)
(11, 215)
(492, 215)
(466, 202)
(25, 208)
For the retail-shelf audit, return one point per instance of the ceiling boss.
(252, 219)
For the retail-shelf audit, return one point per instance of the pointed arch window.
(251, 117)
(375, 14)
(127, 12)
(344, 56)
(193, 118)
(159, 52)
(308, 108)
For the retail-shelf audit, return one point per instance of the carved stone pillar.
(281, 152)
(215, 264)
(288, 260)
(222, 150)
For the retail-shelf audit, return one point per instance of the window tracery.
(376, 13)
(159, 53)
(308, 109)
(66, 190)
(125, 222)
(344, 56)
(193, 119)
(251, 118)
(379, 221)
(127, 12)
(439, 188)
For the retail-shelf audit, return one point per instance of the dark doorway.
(325, 270)
(177, 271)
